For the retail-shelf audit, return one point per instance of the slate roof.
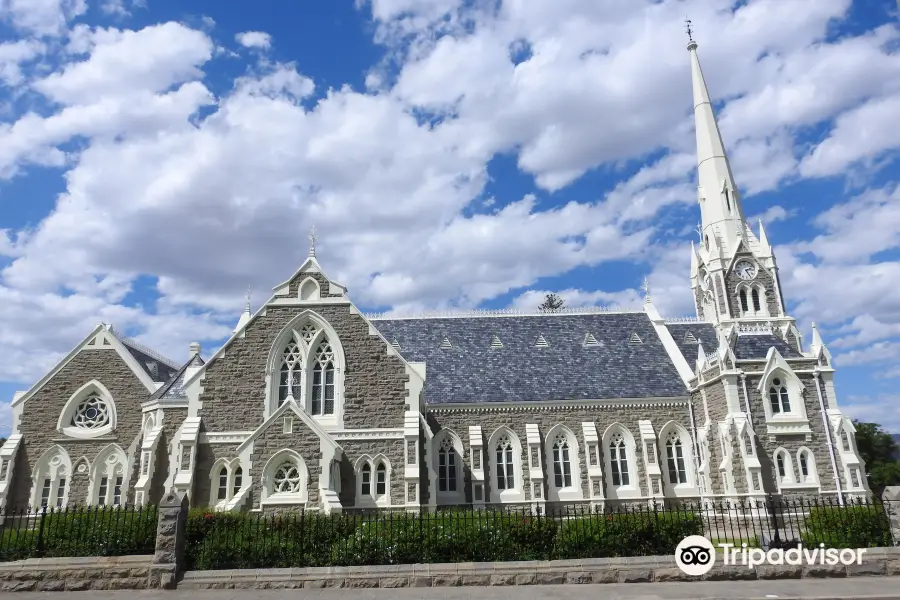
(173, 388)
(704, 333)
(471, 371)
(156, 366)
(757, 346)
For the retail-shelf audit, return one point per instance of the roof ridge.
(164, 388)
(504, 312)
(145, 349)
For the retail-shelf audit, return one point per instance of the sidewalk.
(857, 587)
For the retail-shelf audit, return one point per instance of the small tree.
(878, 449)
(552, 303)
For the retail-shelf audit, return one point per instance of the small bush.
(636, 534)
(860, 526)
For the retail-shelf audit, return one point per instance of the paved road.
(856, 587)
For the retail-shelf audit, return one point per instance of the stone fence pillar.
(168, 560)
(891, 499)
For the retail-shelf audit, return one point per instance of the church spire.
(720, 205)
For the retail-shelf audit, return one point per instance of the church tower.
(734, 276)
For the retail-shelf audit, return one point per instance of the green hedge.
(89, 532)
(228, 540)
(863, 526)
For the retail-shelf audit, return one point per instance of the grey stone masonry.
(168, 560)
(354, 449)
(301, 439)
(762, 277)
(42, 412)
(234, 387)
(877, 562)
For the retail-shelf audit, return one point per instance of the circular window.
(92, 413)
(286, 479)
(776, 382)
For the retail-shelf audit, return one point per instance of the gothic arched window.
(223, 484)
(447, 466)
(755, 296)
(291, 365)
(506, 471)
(779, 399)
(321, 401)
(562, 465)
(618, 460)
(744, 306)
(675, 459)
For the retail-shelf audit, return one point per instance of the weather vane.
(646, 288)
(700, 230)
(687, 27)
(312, 241)
(249, 294)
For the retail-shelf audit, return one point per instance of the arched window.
(89, 413)
(744, 307)
(783, 467)
(675, 459)
(321, 401)
(228, 479)
(291, 365)
(223, 484)
(51, 479)
(706, 241)
(506, 470)
(285, 479)
(373, 481)
(336, 476)
(109, 477)
(755, 296)
(562, 465)
(447, 467)
(618, 458)
(806, 465)
(779, 399)
(727, 201)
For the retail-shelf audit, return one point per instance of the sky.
(159, 157)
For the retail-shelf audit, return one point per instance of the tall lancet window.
(289, 383)
(744, 306)
(618, 460)
(562, 466)
(506, 473)
(756, 304)
(321, 401)
(675, 459)
(447, 466)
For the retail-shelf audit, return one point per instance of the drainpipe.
(837, 480)
(694, 438)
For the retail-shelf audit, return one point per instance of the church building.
(313, 405)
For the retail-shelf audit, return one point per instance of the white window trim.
(448, 497)
(268, 496)
(517, 494)
(689, 487)
(795, 421)
(64, 426)
(574, 491)
(621, 491)
(231, 467)
(812, 479)
(273, 367)
(789, 478)
(99, 470)
(44, 469)
(372, 499)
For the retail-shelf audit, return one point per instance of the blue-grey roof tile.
(688, 335)
(173, 388)
(757, 346)
(472, 371)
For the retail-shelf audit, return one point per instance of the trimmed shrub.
(635, 534)
(859, 526)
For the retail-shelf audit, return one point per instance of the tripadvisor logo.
(695, 555)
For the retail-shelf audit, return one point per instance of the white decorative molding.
(487, 408)
(677, 320)
(368, 434)
(224, 437)
(756, 328)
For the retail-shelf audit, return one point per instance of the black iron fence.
(77, 531)
(461, 534)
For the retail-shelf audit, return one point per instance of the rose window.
(91, 413)
(287, 479)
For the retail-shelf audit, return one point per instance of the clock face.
(745, 270)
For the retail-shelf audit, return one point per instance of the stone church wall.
(762, 277)
(42, 411)
(392, 449)
(234, 387)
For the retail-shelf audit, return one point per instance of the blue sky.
(156, 161)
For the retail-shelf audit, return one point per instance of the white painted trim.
(675, 355)
(517, 494)
(689, 487)
(392, 433)
(632, 490)
(566, 493)
(223, 437)
(449, 497)
(99, 463)
(43, 470)
(609, 403)
(309, 421)
(72, 404)
(231, 467)
(372, 499)
(290, 301)
(267, 496)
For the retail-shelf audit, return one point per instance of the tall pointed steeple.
(722, 216)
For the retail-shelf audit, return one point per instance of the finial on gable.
(249, 296)
(692, 45)
(312, 242)
(646, 288)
